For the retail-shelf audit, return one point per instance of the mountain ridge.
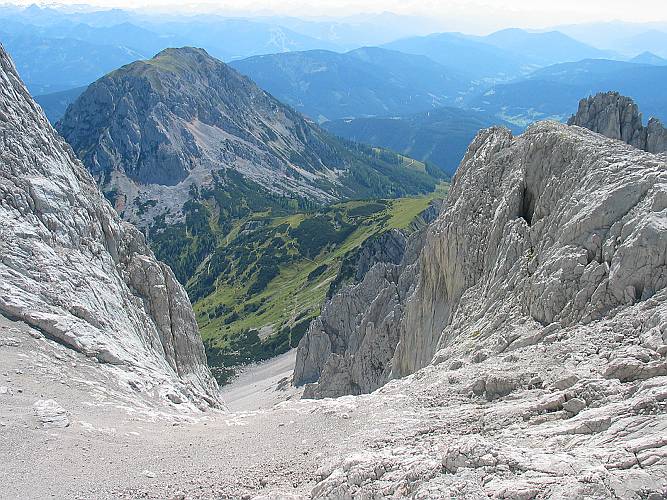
(191, 117)
(370, 81)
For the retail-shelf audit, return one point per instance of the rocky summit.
(159, 133)
(77, 275)
(618, 117)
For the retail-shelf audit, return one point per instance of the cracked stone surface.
(532, 346)
(72, 270)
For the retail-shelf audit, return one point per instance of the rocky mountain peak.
(618, 117)
(72, 270)
(154, 132)
(150, 119)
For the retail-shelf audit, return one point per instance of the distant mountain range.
(55, 104)
(440, 136)
(477, 59)
(549, 92)
(543, 49)
(52, 65)
(501, 55)
(365, 82)
(629, 39)
(649, 58)
(67, 55)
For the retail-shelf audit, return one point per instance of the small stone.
(574, 405)
(50, 413)
(148, 473)
(535, 382)
(456, 364)
(175, 398)
(479, 356)
(565, 382)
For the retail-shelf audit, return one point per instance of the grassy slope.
(240, 323)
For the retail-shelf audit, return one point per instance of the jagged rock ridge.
(156, 133)
(349, 347)
(73, 270)
(551, 227)
(618, 117)
(533, 345)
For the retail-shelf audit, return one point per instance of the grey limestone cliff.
(618, 117)
(72, 269)
(557, 227)
(349, 347)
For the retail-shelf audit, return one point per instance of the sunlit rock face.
(618, 117)
(73, 270)
(530, 352)
(556, 227)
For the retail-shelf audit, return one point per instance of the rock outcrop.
(349, 347)
(70, 268)
(553, 228)
(533, 348)
(618, 117)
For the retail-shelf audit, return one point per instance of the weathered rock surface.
(70, 268)
(552, 228)
(50, 413)
(349, 347)
(533, 344)
(618, 117)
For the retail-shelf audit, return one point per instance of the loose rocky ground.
(262, 385)
(550, 419)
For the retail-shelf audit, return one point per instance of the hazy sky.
(525, 13)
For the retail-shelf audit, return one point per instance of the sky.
(523, 13)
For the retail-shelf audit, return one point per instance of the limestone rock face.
(533, 346)
(72, 269)
(349, 347)
(553, 228)
(567, 228)
(618, 117)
